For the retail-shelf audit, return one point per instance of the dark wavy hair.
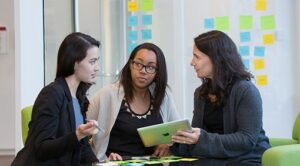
(74, 49)
(160, 79)
(227, 65)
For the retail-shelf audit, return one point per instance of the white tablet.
(161, 133)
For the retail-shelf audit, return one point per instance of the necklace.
(139, 116)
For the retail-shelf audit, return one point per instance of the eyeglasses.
(138, 66)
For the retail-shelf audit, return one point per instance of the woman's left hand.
(187, 137)
(162, 150)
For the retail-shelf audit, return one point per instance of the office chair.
(286, 141)
(25, 119)
(284, 151)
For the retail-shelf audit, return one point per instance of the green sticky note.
(246, 22)
(146, 5)
(267, 22)
(222, 23)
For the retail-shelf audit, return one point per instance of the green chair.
(25, 119)
(286, 155)
(286, 141)
(284, 151)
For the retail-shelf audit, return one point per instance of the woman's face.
(202, 64)
(143, 68)
(86, 69)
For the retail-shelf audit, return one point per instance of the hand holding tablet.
(162, 133)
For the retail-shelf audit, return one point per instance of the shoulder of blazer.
(61, 86)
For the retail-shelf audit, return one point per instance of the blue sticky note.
(130, 47)
(209, 23)
(132, 35)
(244, 50)
(147, 19)
(246, 63)
(146, 34)
(259, 51)
(245, 37)
(132, 21)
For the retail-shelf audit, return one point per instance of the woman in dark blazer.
(58, 130)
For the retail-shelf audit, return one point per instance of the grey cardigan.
(105, 105)
(244, 137)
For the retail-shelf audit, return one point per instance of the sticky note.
(132, 20)
(246, 22)
(259, 51)
(222, 23)
(262, 80)
(268, 38)
(146, 5)
(259, 64)
(188, 159)
(209, 23)
(146, 34)
(261, 5)
(130, 47)
(147, 19)
(132, 35)
(267, 22)
(245, 37)
(246, 63)
(132, 6)
(244, 50)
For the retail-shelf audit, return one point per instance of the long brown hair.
(227, 65)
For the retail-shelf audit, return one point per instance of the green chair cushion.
(282, 141)
(287, 155)
(25, 119)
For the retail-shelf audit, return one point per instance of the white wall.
(7, 90)
(29, 64)
(177, 22)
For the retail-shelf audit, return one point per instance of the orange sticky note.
(262, 80)
(259, 64)
(132, 6)
(261, 5)
(268, 38)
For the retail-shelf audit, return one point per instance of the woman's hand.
(114, 156)
(86, 129)
(162, 150)
(187, 137)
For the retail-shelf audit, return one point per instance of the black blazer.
(51, 138)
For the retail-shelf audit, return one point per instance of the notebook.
(161, 133)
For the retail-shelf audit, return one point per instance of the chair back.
(296, 128)
(25, 119)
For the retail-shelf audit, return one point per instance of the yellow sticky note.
(261, 5)
(146, 5)
(268, 38)
(259, 64)
(262, 80)
(188, 159)
(132, 6)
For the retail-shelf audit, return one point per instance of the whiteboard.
(177, 22)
